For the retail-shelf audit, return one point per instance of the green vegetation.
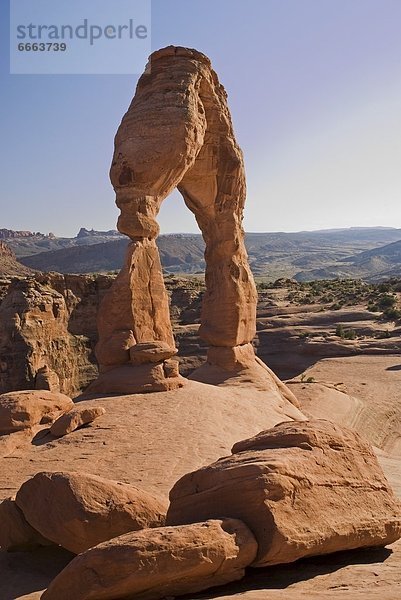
(336, 294)
(345, 334)
(386, 303)
(332, 294)
(308, 379)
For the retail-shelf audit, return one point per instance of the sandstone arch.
(177, 133)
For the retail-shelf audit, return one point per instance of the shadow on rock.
(43, 437)
(280, 577)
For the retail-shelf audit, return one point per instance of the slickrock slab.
(15, 532)
(75, 418)
(78, 511)
(303, 488)
(25, 409)
(155, 563)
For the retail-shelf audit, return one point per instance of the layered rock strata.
(177, 133)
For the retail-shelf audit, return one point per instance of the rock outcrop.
(158, 563)
(303, 488)
(78, 511)
(48, 332)
(75, 418)
(177, 133)
(25, 409)
(9, 266)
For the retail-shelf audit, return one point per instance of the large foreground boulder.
(155, 563)
(78, 511)
(25, 409)
(303, 488)
(15, 532)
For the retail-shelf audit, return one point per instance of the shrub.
(386, 301)
(345, 334)
(392, 313)
(308, 380)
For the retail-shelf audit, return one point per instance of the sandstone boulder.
(78, 511)
(75, 418)
(25, 409)
(155, 563)
(151, 352)
(303, 488)
(15, 532)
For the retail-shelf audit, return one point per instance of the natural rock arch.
(177, 133)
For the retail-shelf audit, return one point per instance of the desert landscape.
(197, 424)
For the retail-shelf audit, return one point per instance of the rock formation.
(75, 418)
(178, 133)
(78, 510)
(158, 563)
(48, 332)
(9, 266)
(25, 409)
(303, 488)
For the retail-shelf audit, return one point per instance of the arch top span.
(178, 133)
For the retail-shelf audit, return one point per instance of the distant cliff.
(9, 266)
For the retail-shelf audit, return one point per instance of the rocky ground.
(350, 378)
(190, 427)
(297, 324)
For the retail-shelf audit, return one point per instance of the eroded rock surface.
(303, 488)
(48, 332)
(158, 563)
(78, 511)
(9, 266)
(177, 133)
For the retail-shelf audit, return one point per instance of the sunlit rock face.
(177, 133)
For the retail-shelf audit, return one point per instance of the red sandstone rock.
(75, 418)
(78, 511)
(146, 352)
(25, 409)
(180, 95)
(303, 488)
(158, 563)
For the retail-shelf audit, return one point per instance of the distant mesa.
(6, 234)
(371, 254)
(84, 233)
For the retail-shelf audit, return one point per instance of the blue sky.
(315, 94)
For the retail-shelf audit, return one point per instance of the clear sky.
(315, 94)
